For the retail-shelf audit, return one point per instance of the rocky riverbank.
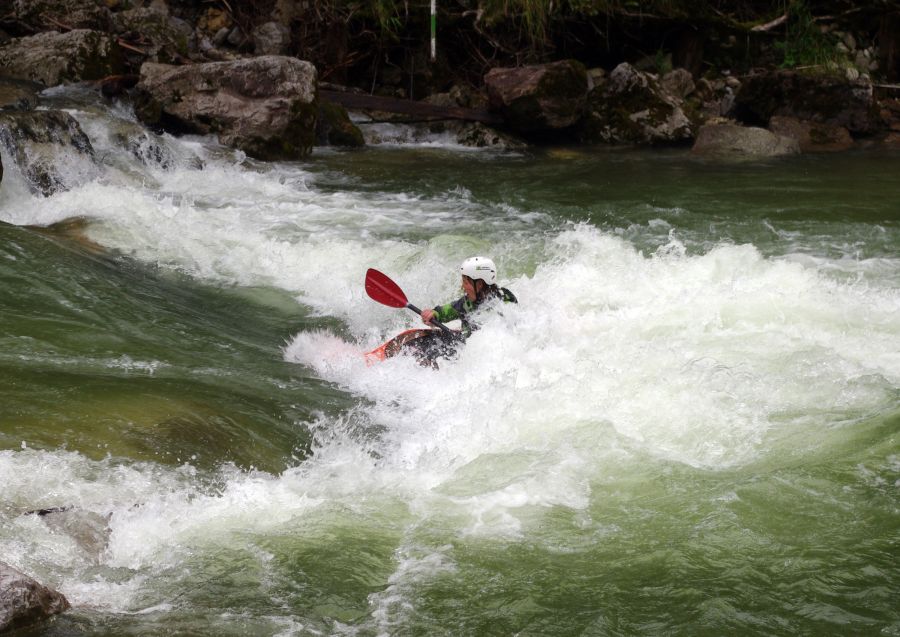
(202, 72)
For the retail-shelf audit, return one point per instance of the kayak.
(423, 343)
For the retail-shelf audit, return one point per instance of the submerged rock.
(541, 97)
(731, 139)
(265, 106)
(61, 58)
(89, 530)
(632, 108)
(24, 601)
(49, 148)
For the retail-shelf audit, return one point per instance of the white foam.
(613, 358)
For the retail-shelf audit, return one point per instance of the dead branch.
(768, 26)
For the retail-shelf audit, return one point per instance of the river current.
(687, 426)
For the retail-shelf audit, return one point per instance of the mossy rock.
(334, 127)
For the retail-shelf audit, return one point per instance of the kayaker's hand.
(427, 316)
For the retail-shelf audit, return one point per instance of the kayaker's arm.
(442, 313)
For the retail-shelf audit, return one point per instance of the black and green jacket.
(463, 309)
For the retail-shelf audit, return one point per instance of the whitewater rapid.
(616, 359)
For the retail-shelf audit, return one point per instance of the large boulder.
(265, 106)
(827, 99)
(24, 601)
(539, 98)
(49, 148)
(61, 58)
(51, 15)
(631, 107)
(731, 139)
(813, 137)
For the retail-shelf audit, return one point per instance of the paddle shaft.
(435, 322)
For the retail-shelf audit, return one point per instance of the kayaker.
(479, 282)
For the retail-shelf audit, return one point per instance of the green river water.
(688, 425)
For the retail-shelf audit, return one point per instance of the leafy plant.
(804, 43)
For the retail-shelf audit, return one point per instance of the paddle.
(380, 288)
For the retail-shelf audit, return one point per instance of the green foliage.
(804, 43)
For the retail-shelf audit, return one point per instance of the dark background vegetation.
(386, 42)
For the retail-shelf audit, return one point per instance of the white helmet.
(479, 268)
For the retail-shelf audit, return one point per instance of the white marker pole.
(433, 30)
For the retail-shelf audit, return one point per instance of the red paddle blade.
(380, 288)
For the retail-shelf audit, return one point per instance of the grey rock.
(43, 15)
(24, 601)
(271, 38)
(677, 83)
(169, 37)
(49, 148)
(265, 106)
(632, 108)
(731, 139)
(61, 58)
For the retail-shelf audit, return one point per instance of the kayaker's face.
(468, 286)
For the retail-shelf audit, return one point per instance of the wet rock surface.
(24, 601)
(49, 148)
(265, 106)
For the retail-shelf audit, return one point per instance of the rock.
(18, 95)
(168, 37)
(478, 135)
(271, 38)
(539, 98)
(824, 99)
(89, 530)
(468, 97)
(596, 77)
(214, 20)
(236, 37)
(713, 98)
(731, 139)
(49, 148)
(43, 15)
(61, 58)
(677, 84)
(265, 106)
(147, 147)
(23, 601)
(812, 137)
(334, 128)
(631, 108)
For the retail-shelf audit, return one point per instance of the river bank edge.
(240, 84)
